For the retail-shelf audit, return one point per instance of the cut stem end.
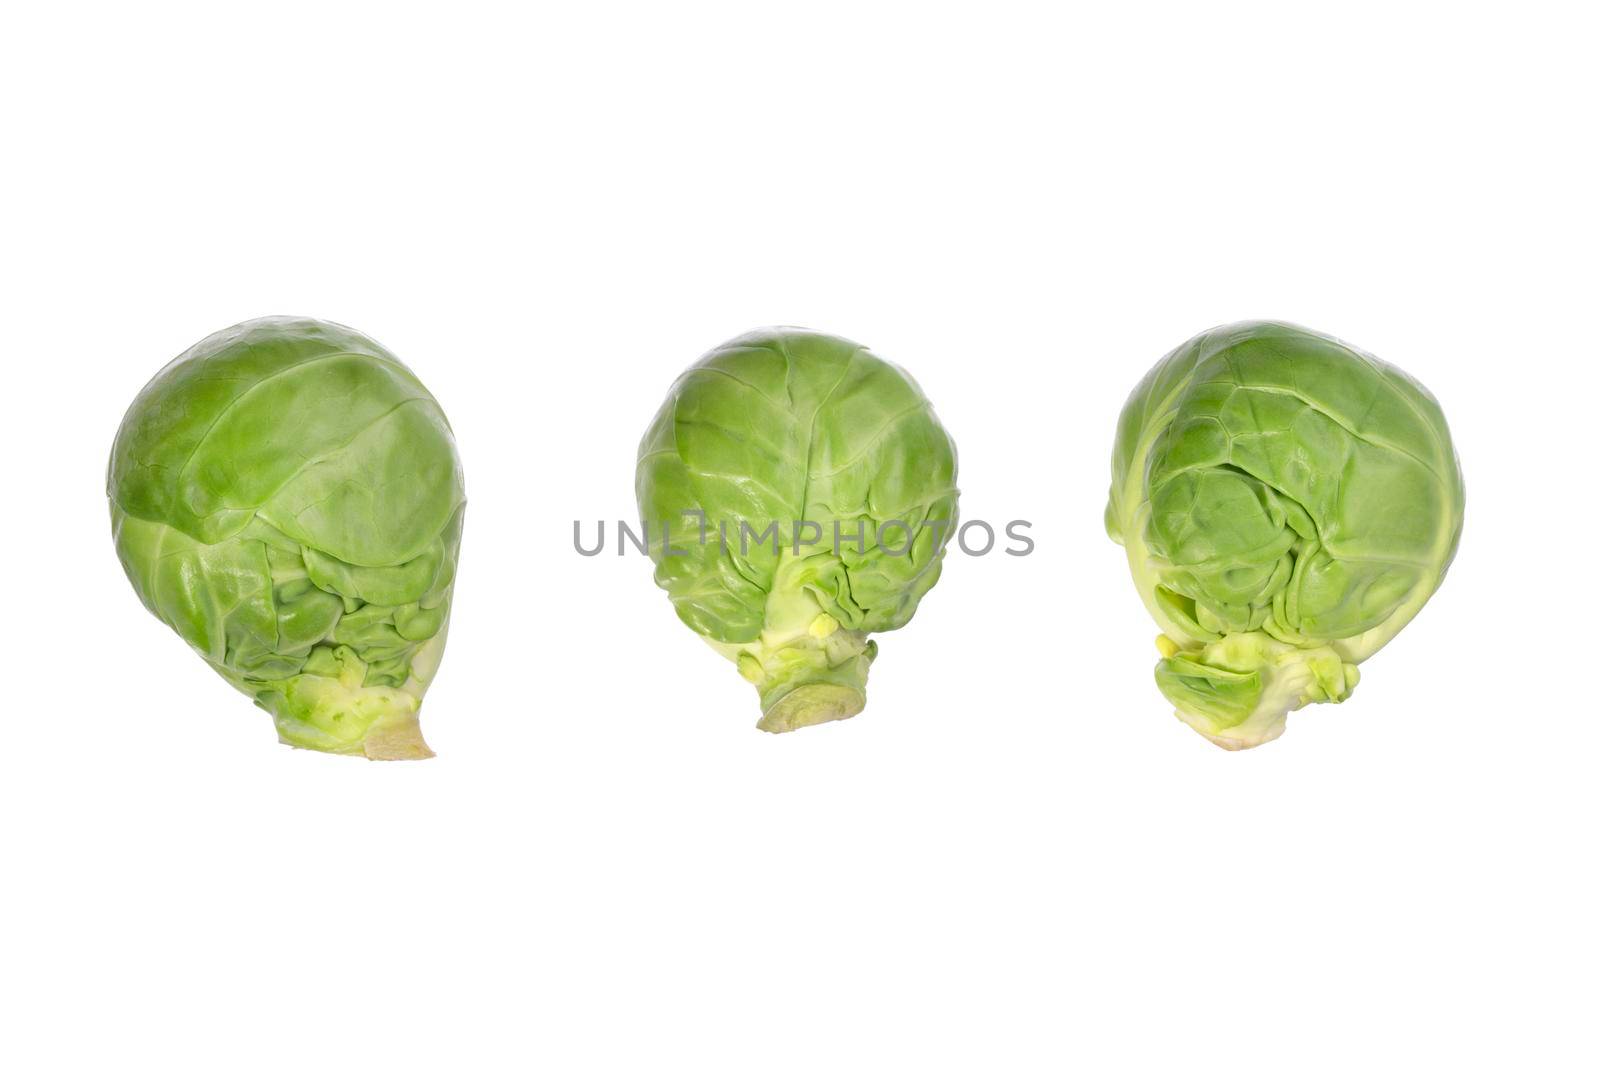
(808, 705)
(400, 740)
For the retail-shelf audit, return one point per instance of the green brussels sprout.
(1288, 504)
(797, 493)
(287, 497)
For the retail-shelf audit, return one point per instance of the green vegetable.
(797, 493)
(1288, 504)
(287, 497)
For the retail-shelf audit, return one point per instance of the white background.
(1016, 855)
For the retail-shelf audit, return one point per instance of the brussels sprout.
(287, 496)
(797, 493)
(1288, 504)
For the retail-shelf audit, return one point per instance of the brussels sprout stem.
(398, 740)
(807, 668)
(1237, 692)
(342, 714)
(808, 705)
